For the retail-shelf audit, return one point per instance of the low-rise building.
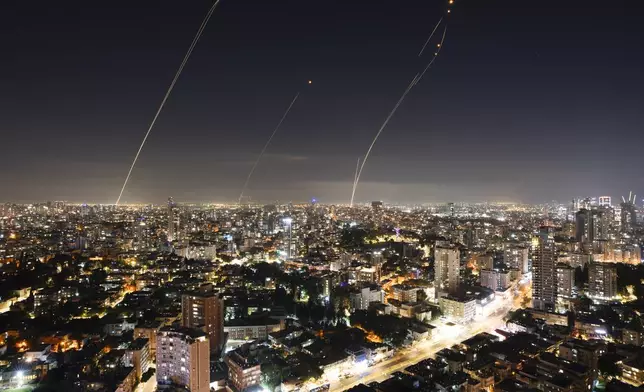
(38, 353)
(137, 355)
(361, 299)
(585, 352)
(149, 331)
(404, 293)
(565, 284)
(516, 256)
(485, 262)
(364, 274)
(127, 380)
(119, 328)
(633, 336)
(495, 279)
(330, 280)
(244, 371)
(549, 317)
(419, 311)
(252, 329)
(459, 309)
(334, 365)
(633, 371)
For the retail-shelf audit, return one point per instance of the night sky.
(530, 100)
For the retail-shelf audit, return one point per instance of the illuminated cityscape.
(317, 297)
(410, 196)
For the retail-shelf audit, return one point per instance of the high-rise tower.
(204, 310)
(544, 291)
(183, 359)
(288, 223)
(173, 220)
(602, 281)
(446, 269)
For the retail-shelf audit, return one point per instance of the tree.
(340, 300)
(147, 375)
(421, 295)
(98, 277)
(608, 367)
(271, 376)
(352, 237)
(635, 324)
(525, 301)
(584, 303)
(316, 313)
(61, 278)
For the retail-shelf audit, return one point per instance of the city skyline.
(616, 201)
(510, 111)
(321, 196)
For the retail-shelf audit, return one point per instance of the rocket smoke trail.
(382, 127)
(167, 94)
(355, 177)
(440, 46)
(268, 142)
(411, 85)
(430, 37)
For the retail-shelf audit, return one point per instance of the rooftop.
(138, 344)
(191, 333)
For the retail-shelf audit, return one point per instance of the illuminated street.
(417, 353)
(148, 386)
(7, 308)
(445, 336)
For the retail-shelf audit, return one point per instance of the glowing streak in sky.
(430, 37)
(268, 142)
(411, 85)
(440, 46)
(355, 178)
(167, 94)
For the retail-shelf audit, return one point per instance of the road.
(148, 386)
(7, 307)
(443, 337)
(420, 351)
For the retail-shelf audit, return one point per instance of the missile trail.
(382, 127)
(268, 142)
(411, 85)
(430, 37)
(440, 46)
(168, 92)
(355, 177)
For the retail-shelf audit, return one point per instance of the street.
(444, 337)
(418, 352)
(149, 386)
